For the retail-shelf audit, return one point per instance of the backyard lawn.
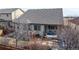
(33, 44)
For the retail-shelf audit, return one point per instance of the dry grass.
(33, 44)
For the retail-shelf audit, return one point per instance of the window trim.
(37, 27)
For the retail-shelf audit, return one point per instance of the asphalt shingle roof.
(42, 16)
(8, 10)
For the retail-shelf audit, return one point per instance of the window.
(36, 27)
(0, 15)
(17, 27)
(8, 23)
(29, 27)
(52, 27)
(7, 15)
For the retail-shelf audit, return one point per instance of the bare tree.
(70, 38)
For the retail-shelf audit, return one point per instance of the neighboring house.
(7, 16)
(7, 24)
(74, 23)
(10, 14)
(40, 20)
(67, 18)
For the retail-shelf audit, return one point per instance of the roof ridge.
(9, 10)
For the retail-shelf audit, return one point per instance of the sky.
(71, 11)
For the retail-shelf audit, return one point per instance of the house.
(40, 21)
(7, 16)
(74, 23)
(7, 24)
(10, 14)
(67, 18)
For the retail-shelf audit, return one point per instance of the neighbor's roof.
(2, 20)
(8, 10)
(75, 21)
(42, 16)
(70, 16)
